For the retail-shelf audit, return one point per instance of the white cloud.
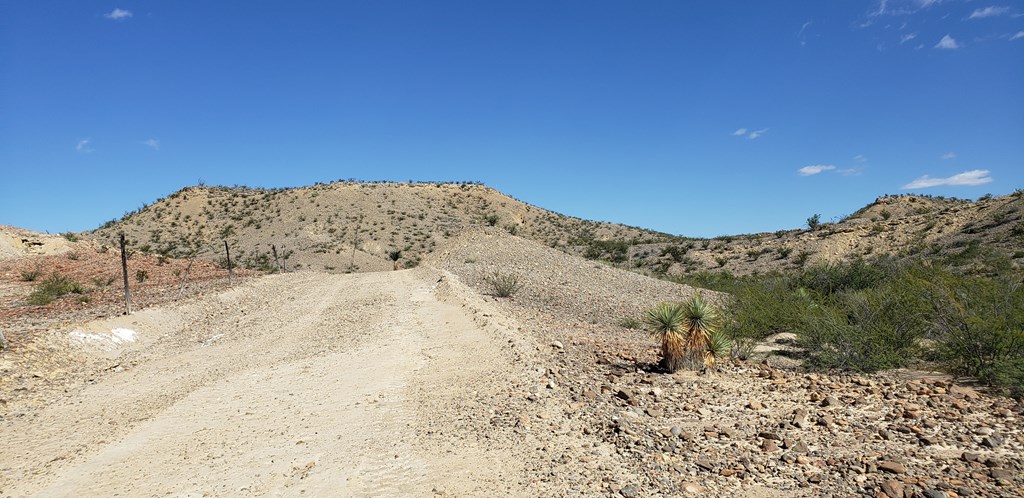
(757, 133)
(1020, 34)
(83, 146)
(989, 12)
(152, 143)
(947, 42)
(860, 158)
(969, 178)
(118, 14)
(907, 37)
(850, 171)
(814, 169)
(740, 132)
(949, 155)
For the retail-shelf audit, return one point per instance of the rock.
(654, 412)
(800, 447)
(830, 401)
(557, 345)
(934, 493)
(625, 394)
(800, 418)
(1001, 474)
(929, 440)
(676, 430)
(993, 441)
(892, 467)
(968, 456)
(704, 412)
(705, 464)
(769, 446)
(964, 491)
(755, 405)
(893, 489)
(629, 491)
(692, 488)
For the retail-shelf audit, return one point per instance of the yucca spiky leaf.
(664, 318)
(665, 322)
(719, 346)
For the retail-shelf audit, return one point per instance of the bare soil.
(356, 385)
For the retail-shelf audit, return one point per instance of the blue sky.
(693, 119)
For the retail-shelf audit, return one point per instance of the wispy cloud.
(815, 169)
(118, 14)
(740, 132)
(1020, 34)
(901, 7)
(948, 43)
(989, 12)
(907, 37)
(800, 34)
(84, 146)
(152, 143)
(949, 155)
(849, 171)
(757, 133)
(967, 178)
(860, 158)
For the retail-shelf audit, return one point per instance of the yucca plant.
(719, 346)
(666, 323)
(701, 321)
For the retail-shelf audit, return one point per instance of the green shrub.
(52, 288)
(814, 221)
(979, 324)
(503, 284)
(868, 330)
(31, 275)
(832, 278)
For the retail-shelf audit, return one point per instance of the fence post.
(227, 253)
(273, 249)
(124, 271)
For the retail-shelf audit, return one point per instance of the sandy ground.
(303, 383)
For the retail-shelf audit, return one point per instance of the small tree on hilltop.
(814, 221)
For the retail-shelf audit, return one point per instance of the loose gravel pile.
(759, 428)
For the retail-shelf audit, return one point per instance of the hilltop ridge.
(343, 226)
(352, 226)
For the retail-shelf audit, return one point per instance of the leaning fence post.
(273, 249)
(124, 271)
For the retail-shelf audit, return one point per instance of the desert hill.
(898, 225)
(352, 226)
(342, 226)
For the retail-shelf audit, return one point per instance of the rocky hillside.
(898, 225)
(343, 226)
(351, 226)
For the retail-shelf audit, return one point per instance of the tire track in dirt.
(293, 384)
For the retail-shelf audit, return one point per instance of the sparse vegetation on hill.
(347, 225)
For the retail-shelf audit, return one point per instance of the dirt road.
(298, 384)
